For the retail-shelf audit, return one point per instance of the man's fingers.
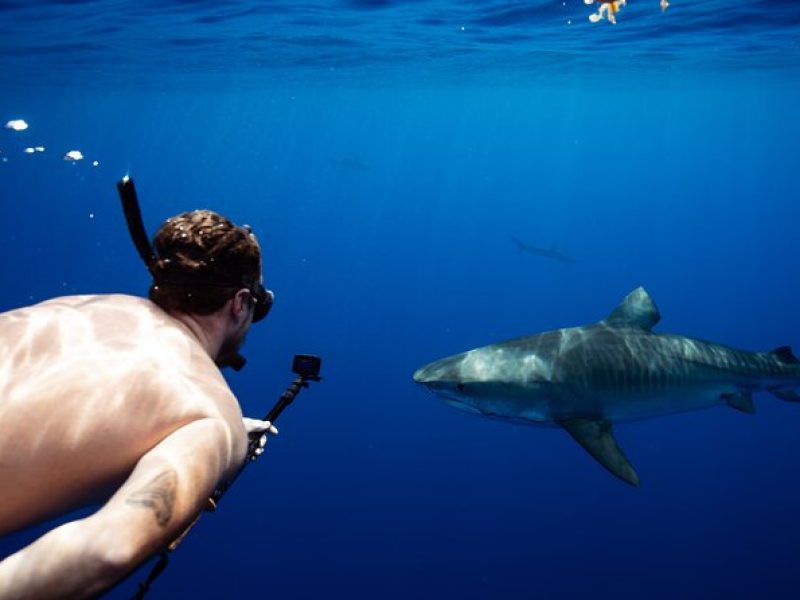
(258, 426)
(255, 427)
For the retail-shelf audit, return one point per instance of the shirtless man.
(120, 400)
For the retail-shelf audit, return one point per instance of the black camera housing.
(306, 365)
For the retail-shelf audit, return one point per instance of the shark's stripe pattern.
(586, 378)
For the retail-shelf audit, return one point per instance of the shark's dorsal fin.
(636, 310)
(598, 440)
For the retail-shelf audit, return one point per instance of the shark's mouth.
(462, 406)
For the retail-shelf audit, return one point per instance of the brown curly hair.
(202, 259)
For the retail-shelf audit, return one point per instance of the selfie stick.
(306, 366)
(285, 400)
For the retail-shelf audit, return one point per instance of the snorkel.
(133, 217)
(262, 297)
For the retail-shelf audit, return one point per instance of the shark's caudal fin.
(598, 440)
(520, 246)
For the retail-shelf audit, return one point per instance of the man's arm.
(166, 490)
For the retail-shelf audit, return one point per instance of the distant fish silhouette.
(345, 162)
(552, 253)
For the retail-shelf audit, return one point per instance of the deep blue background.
(384, 204)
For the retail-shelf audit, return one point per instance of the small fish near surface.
(585, 379)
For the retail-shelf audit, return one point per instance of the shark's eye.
(460, 387)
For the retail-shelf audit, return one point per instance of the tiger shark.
(586, 379)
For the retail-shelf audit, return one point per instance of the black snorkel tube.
(133, 217)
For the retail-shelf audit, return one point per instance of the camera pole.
(285, 400)
(307, 369)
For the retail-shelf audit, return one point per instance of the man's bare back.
(89, 385)
(119, 400)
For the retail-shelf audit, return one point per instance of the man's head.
(203, 259)
(208, 267)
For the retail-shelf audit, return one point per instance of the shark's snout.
(438, 373)
(420, 376)
(426, 376)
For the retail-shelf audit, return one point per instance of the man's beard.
(228, 355)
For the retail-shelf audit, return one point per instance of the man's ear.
(241, 302)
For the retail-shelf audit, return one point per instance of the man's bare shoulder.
(113, 342)
(90, 304)
(79, 311)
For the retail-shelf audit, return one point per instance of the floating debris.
(73, 155)
(95, 163)
(17, 125)
(39, 148)
(608, 9)
(34, 149)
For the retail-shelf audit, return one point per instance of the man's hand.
(256, 426)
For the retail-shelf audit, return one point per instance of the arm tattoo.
(158, 495)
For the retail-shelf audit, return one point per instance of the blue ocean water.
(385, 152)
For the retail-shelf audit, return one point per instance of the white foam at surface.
(73, 155)
(16, 125)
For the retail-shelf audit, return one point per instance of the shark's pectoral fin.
(743, 402)
(598, 440)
